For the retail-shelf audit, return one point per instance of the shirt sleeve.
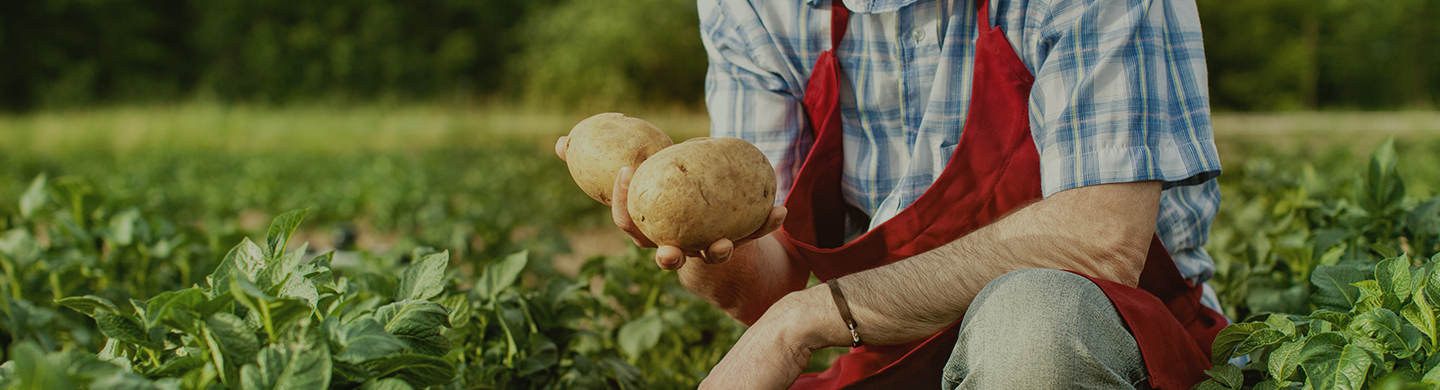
(1120, 94)
(748, 94)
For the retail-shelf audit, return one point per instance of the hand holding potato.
(700, 199)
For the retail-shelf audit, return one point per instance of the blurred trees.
(1263, 54)
(1307, 54)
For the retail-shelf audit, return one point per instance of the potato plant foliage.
(1337, 283)
(270, 319)
(140, 232)
(265, 318)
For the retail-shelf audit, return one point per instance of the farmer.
(999, 194)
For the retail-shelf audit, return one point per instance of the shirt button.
(918, 35)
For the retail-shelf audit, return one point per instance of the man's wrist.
(811, 317)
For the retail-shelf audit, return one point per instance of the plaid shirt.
(1119, 96)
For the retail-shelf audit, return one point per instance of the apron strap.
(839, 22)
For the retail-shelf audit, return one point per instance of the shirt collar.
(868, 6)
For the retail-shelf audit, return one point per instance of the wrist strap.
(844, 311)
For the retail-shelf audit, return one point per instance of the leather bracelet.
(844, 311)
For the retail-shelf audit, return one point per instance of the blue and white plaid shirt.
(1119, 96)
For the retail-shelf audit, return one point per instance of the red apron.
(994, 169)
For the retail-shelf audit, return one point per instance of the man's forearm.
(1101, 231)
(756, 276)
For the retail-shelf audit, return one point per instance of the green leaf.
(362, 340)
(34, 370)
(1422, 316)
(1425, 218)
(159, 308)
(1272, 384)
(21, 247)
(89, 304)
(1283, 361)
(460, 310)
(1432, 376)
(267, 312)
(1432, 284)
(34, 197)
(424, 279)
(1230, 338)
(543, 355)
(417, 323)
(277, 271)
(1393, 275)
(1371, 295)
(1227, 375)
(245, 259)
(1260, 339)
(387, 384)
(1281, 323)
(1210, 384)
(177, 367)
(1322, 347)
(237, 339)
(1337, 318)
(1384, 250)
(122, 226)
(280, 231)
(348, 375)
(318, 269)
(1384, 326)
(1333, 286)
(501, 274)
(297, 287)
(640, 334)
(1347, 371)
(124, 328)
(418, 370)
(1268, 297)
(278, 368)
(1383, 189)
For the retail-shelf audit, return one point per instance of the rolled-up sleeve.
(1120, 94)
(748, 93)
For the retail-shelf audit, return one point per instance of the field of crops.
(200, 247)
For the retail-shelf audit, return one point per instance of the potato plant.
(1338, 287)
(200, 317)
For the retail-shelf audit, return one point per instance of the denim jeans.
(1043, 329)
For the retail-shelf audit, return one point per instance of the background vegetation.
(140, 140)
(1263, 55)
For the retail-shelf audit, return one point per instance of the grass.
(317, 130)
(323, 129)
(130, 130)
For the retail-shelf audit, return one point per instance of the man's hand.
(776, 350)
(666, 256)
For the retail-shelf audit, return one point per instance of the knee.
(1042, 326)
(1038, 305)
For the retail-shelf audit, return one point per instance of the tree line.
(568, 54)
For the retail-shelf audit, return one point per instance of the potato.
(701, 190)
(602, 144)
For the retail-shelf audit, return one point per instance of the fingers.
(560, 146)
(621, 214)
(719, 251)
(669, 258)
(777, 219)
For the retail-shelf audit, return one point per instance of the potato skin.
(602, 144)
(701, 190)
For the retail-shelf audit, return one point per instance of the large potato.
(701, 190)
(602, 144)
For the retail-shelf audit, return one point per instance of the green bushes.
(1262, 55)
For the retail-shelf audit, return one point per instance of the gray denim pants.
(1043, 329)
